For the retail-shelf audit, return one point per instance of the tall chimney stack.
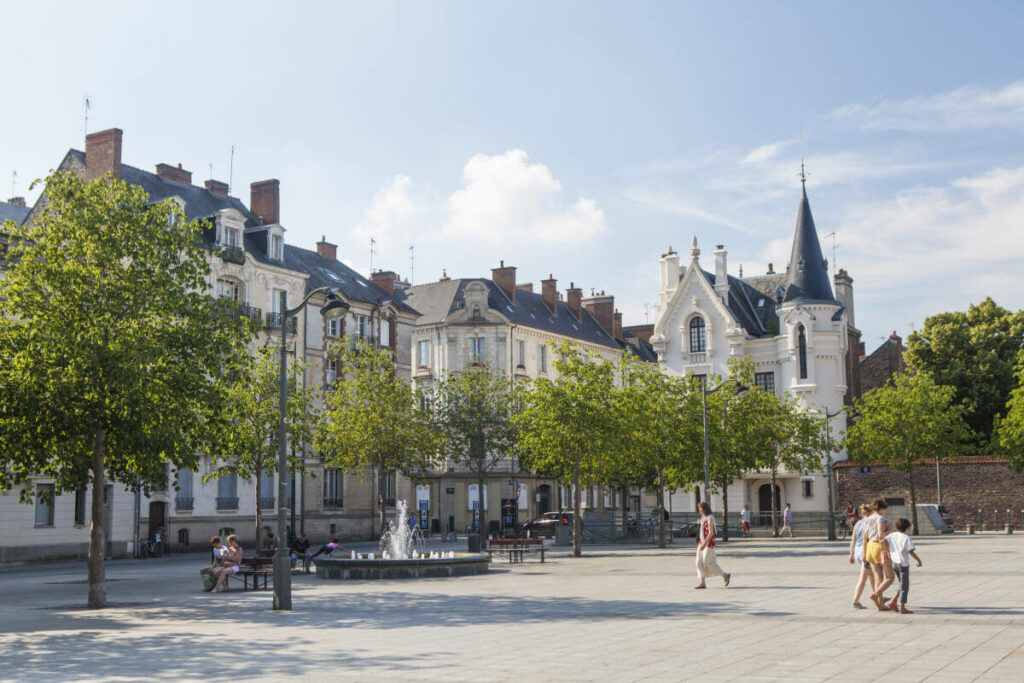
(177, 175)
(617, 325)
(265, 200)
(385, 279)
(103, 153)
(505, 277)
(721, 274)
(574, 298)
(602, 307)
(326, 249)
(217, 187)
(549, 293)
(844, 293)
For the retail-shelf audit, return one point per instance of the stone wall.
(970, 484)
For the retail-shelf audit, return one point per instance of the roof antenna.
(85, 127)
(14, 181)
(803, 174)
(647, 314)
(835, 248)
(231, 170)
(373, 243)
(412, 263)
(211, 170)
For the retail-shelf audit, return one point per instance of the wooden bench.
(516, 548)
(255, 568)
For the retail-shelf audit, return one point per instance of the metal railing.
(355, 339)
(505, 466)
(227, 503)
(274, 323)
(183, 503)
(267, 502)
(233, 255)
(334, 502)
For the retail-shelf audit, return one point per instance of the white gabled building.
(799, 335)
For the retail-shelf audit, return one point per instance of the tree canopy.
(1009, 431)
(904, 422)
(110, 346)
(975, 353)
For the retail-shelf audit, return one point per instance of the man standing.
(787, 521)
(745, 520)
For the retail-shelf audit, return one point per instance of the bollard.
(970, 529)
(1009, 528)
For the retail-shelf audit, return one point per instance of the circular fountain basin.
(463, 564)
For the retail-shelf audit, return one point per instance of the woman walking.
(707, 564)
(875, 528)
(857, 557)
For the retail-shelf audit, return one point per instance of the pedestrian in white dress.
(707, 563)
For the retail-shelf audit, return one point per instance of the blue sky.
(577, 139)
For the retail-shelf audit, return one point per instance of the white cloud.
(505, 198)
(394, 213)
(967, 107)
(672, 203)
(764, 153)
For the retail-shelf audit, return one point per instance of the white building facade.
(797, 333)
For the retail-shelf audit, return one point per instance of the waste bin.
(970, 528)
(563, 534)
(1009, 528)
(473, 543)
(435, 526)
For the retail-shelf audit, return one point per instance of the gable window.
(333, 327)
(44, 505)
(276, 248)
(543, 358)
(423, 354)
(698, 336)
(476, 349)
(231, 237)
(765, 381)
(801, 340)
(521, 353)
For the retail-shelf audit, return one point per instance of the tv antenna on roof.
(231, 169)
(835, 248)
(85, 126)
(412, 262)
(14, 181)
(373, 243)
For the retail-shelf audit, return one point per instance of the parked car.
(545, 524)
(946, 517)
(685, 530)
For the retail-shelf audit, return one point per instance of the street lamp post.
(828, 475)
(334, 308)
(707, 456)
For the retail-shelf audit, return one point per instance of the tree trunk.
(98, 532)
(661, 508)
(577, 523)
(381, 521)
(624, 490)
(259, 508)
(725, 510)
(775, 507)
(483, 509)
(913, 501)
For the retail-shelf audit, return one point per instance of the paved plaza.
(618, 614)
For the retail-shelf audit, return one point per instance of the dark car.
(546, 523)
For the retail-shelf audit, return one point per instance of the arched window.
(698, 335)
(801, 340)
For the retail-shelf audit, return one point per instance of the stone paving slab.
(618, 614)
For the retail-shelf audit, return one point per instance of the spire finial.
(694, 251)
(803, 176)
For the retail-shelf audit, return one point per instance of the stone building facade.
(799, 335)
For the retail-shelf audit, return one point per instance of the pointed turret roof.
(807, 275)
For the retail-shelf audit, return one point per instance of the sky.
(573, 139)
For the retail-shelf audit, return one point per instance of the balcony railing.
(274, 323)
(227, 503)
(251, 312)
(505, 466)
(267, 502)
(183, 503)
(233, 255)
(368, 339)
(334, 502)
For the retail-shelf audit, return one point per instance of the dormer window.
(276, 248)
(232, 237)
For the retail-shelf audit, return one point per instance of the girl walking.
(876, 553)
(707, 564)
(857, 557)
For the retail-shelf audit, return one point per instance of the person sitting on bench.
(229, 564)
(328, 548)
(209, 573)
(299, 550)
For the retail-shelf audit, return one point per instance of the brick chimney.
(17, 201)
(103, 153)
(385, 279)
(326, 249)
(505, 277)
(525, 287)
(574, 297)
(265, 200)
(617, 325)
(721, 274)
(549, 293)
(177, 175)
(217, 187)
(844, 293)
(602, 307)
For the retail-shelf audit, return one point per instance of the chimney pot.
(505, 277)
(771, 270)
(574, 297)
(103, 153)
(549, 294)
(385, 279)
(326, 249)
(602, 307)
(17, 201)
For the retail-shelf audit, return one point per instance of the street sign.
(865, 470)
(450, 491)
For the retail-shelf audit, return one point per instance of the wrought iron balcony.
(183, 503)
(334, 502)
(233, 255)
(368, 339)
(274, 323)
(267, 502)
(227, 503)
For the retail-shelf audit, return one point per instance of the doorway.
(764, 497)
(157, 518)
(543, 499)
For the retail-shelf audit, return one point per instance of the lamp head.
(334, 308)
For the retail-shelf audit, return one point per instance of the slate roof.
(436, 300)
(10, 212)
(638, 347)
(808, 269)
(325, 272)
(750, 307)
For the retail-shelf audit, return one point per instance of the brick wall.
(972, 483)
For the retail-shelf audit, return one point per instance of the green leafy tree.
(567, 426)
(1009, 429)
(110, 347)
(902, 423)
(975, 352)
(473, 409)
(249, 444)
(373, 419)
